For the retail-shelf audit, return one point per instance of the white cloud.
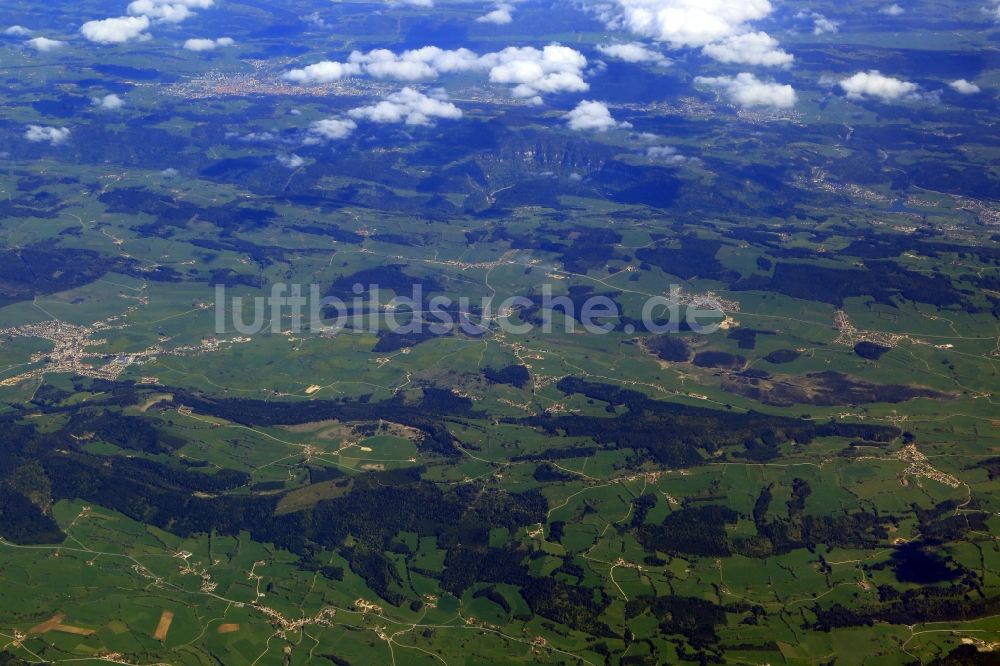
(660, 152)
(892, 10)
(291, 161)
(593, 117)
(723, 29)
(633, 52)
(502, 15)
(167, 11)
(108, 102)
(45, 44)
(965, 87)
(253, 137)
(162, 13)
(821, 24)
(199, 44)
(668, 155)
(408, 106)
(751, 48)
(413, 65)
(529, 70)
(424, 4)
(316, 20)
(116, 30)
(323, 72)
(553, 69)
(169, 172)
(17, 31)
(53, 135)
(686, 23)
(331, 129)
(874, 84)
(747, 90)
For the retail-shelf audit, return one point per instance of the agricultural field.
(312, 353)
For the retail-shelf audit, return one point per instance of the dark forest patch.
(747, 337)
(916, 563)
(668, 348)
(694, 258)
(693, 531)
(513, 375)
(883, 281)
(871, 351)
(674, 434)
(718, 359)
(390, 278)
(782, 356)
(824, 389)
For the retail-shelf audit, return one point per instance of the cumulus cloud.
(892, 10)
(965, 87)
(590, 116)
(116, 30)
(167, 11)
(668, 155)
(660, 152)
(253, 137)
(408, 106)
(747, 90)
(874, 84)
(199, 44)
(533, 72)
(45, 44)
(425, 4)
(160, 12)
(821, 24)
(52, 135)
(529, 70)
(17, 31)
(316, 20)
(501, 15)
(751, 48)
(331, 129)
(413, 65)
(633, 52)
(291, 161)
(722, 29)
(108, 102)
(686, 23)
(323, 72)
(169, 172)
